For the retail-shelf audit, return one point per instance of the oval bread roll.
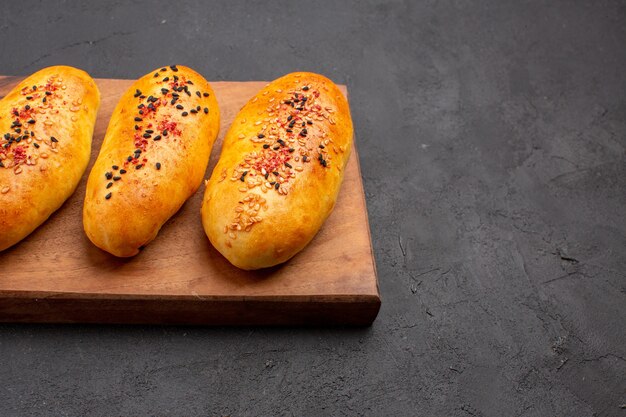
(153, 158)
(46, 126)
(280, 171)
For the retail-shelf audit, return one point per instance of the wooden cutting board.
(57, 275)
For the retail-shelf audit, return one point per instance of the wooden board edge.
(269, 311)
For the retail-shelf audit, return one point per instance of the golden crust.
(55, 110)
(280, 171)
(126, 207)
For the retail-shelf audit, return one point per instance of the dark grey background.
(492, 144)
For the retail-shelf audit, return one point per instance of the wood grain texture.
(57, 275)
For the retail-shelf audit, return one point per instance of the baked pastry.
(280, 171)
(46, 126)
(153, 158)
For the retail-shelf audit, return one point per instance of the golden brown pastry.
(280, 171)
(152, 160)
(46, 126)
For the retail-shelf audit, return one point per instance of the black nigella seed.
(276, 148)
(289, 118)
(304, 158)
(146, 135)
(115, 167)
(321, 146)
(174, 100)
(206, 94)
(138, 119)
(288, 165)
(275, 173)
(158, 166)
(260, 136)
(27, 107)
(117, 178)
(194, 111)
(36, 145)
(109, 185)
(130, 158)
(291, 150)
(198, 108)
(184, 114)
(140, 111)
(289, 130)
(156, 74)
(107, 196)
(122, 171)
(48, 93)
(108, 175)
(206, 110)
(309, 122)
(137, 93)
(277, 185)
(282, 142)
(157, 137)
(165, 90)
(138, 166)
(266, 146)
(305, 88)
(136, 127)
(165, 132)
(149, 131)
(163, 69)
(31, 121)
(166, 79)
(179, 106)
(175, 77)
(173, 68)
(198, 93)
(29, 97)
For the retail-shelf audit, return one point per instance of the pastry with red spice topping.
(152, 159)
(46, 128)
(280, 171)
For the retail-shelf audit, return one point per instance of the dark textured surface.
(492, 139)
